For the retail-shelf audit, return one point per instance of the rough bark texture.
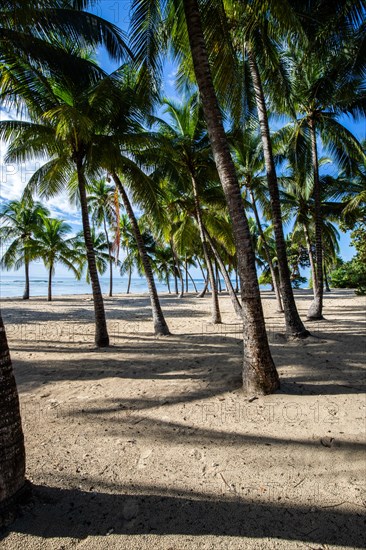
(294, 325)
(101, 333)
(274, 274)
(215, 312)
(26, 286)
(315, 311)
(160, 325)
(234, 299)
(12, 452)
(259, 371)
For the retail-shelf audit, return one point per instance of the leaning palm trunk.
(311, 255)
(110, 259)
(229, 286)
(215, 314)
(101, 333)
(26, 287)
(259, 372)
(316, 307)
(12, 453)
(274, 273)
(160, 326)
(205, 280)
(294, 325)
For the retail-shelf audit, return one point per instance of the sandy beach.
(151, 442)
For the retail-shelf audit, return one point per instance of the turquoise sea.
(13, 286)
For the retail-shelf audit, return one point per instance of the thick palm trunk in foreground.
(101, 333)
(294, 325)
(259, 372)
(315, 311)
(12, 453)
(160, 325)
(216, 316)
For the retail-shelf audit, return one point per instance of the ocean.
(12, 286)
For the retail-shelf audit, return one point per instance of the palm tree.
(19, 220)
(186, 153)
(322, 91)
(62, 130)
(249, 157)
(126, 242)
(51, 245)
(104, 209)
(12, 452)
(259, 372)
(101, 251)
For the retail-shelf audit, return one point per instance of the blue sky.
(13, 178)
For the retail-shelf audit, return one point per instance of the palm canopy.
(19, 220)
(50, 243)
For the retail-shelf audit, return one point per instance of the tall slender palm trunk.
(26, 286)
(215, 312)
(12, 452)
(274, 273)
(129, 280)
(110, 259)
(294, 325)
(160, 325)
(179, 271)
(311, 255)
(315, 311)
(326, 282)
(259, 372)
(101, 333)
(49, 297)
(234, 299)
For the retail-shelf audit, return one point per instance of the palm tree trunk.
(193, 283)
(168, 283)
(160, 326)
(26, 287)
(274, 273)
(315, 311)
(129, 280)
(186, 270)
(294, 325)
(205, 279)
(259, 372)
(236, 281)
(218, 279)
(311, 255)
(49, 298)
(179, 271)
(12, 452)
(234, 299)
(110, 259)
(101, 333)
(215, 313)
(326, 282)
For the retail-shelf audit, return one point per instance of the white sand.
(151, 443)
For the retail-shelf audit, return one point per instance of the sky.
(13, 178)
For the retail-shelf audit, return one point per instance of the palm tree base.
(162, 330)
(9, 508)
(102, 342)
(315, 311)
